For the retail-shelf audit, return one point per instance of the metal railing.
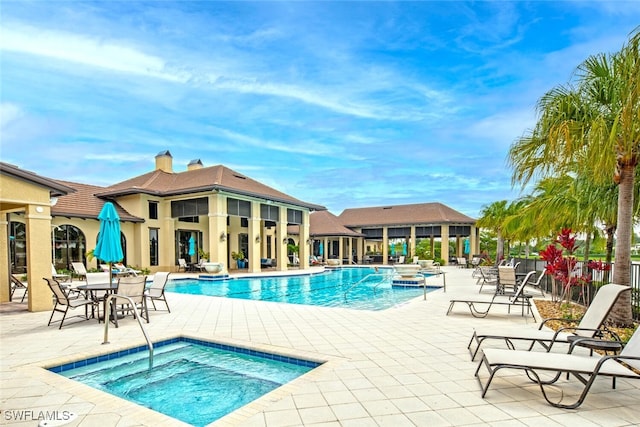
(136, 315)
(365, 278)
(598, 278)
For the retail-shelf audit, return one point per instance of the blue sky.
(343, 104)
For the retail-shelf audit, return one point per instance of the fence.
(598, 278)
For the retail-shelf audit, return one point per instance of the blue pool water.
(358, 288)
(194, 381)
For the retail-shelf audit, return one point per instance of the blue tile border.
(242, 350)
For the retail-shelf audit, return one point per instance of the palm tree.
(493, 217)
(595, 127)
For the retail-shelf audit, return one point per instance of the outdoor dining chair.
(63, 302)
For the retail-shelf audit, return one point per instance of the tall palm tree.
(493, 217)
(595, 125)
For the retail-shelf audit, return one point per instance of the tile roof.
(324, 223)
(421, 213)
(84, 204)
(211, 178)
(55, 187)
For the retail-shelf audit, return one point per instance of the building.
(223, 212)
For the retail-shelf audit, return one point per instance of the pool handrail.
(384, 275)
(135, 314)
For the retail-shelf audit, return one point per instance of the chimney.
(164, 161)
(194, 164)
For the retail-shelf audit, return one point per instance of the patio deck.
(405, 366)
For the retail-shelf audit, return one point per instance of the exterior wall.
(34, 201)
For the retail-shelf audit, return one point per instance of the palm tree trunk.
(621, 313)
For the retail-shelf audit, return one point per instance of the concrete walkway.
(405, 366)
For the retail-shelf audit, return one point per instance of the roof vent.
(240, 176)
(194, 164)
(387, 207)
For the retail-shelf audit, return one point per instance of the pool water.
(358, 288)
(194, 381)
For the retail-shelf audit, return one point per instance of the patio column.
(305, 250)
(360, 249)
(166, 240)
(411, 251)
(5, 267)
(385, 245)
(281, 241)
(254, 238)
(218, 230)
(473, 241)
(444, 244)
(38, 226)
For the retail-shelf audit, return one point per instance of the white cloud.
(85, 50)
(9, 113)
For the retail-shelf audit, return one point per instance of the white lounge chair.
(585, 368)
(79, 270)
(589, 326)
(518, 298)
(59, 276)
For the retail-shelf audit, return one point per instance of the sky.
(341, 104)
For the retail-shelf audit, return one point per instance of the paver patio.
(405, 366)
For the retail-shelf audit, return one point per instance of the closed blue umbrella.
(109, 248)
(393, 249)
(192, 246)
(321, 249)
(404, 248)
(466, 246)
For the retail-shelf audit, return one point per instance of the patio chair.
(585, 368)
(182, 265)
(589, 326)
(124, 270)
(518, 298)
(17, 284)
(63, 302)
(156, 291)
(79, 270)
(132, 287)
(59, 276)
(488, 276)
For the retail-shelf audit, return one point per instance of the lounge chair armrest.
(559, 319)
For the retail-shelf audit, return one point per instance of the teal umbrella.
(192, 246)
(321, 249)
(404, 248)
(109, 248)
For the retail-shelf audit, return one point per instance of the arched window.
(18, 247)
(69, 245)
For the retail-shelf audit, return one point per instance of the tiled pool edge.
(41, 371)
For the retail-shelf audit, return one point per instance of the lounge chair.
(17, 284)
(59, 276)
(156, 291)
(124, 270)
(591, 325)
(132, 287)
(182, 265)
(79, 270)
(536, 283)
(518, 298)
(63, 302)
(585, 368)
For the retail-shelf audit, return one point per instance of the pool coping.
(41, 370)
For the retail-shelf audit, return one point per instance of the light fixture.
(257, 239)
(284, 241)
(53, 201)
(223, 236)
(308, 241)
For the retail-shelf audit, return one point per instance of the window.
(238, 207)
(269, 212)
(153, 210)
(153, 246)
(18, 247)
(190, 208)
(69, 245)
(294, 216)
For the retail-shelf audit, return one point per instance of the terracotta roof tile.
(84, 204)
(218, 177)
(324, 223)
(422, 213)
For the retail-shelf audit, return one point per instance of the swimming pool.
(193, 381)
(358, 288)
